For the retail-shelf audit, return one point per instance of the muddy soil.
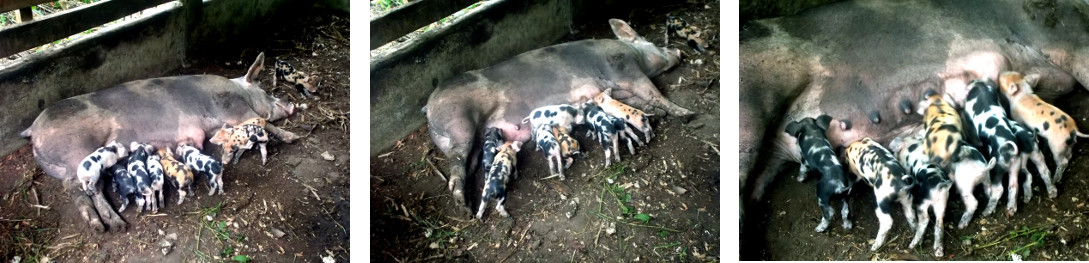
(1043, 229)
(294, 209)
(592, 216)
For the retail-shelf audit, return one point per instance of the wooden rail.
(410, 17)
(8, 5)
(64, 24)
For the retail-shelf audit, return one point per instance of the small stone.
(276, 232)
(679, 190)
(302, 106)
(166, 246)
(327, 156)
(172, 236)
(208, 218)
(161, 232)
(611, 229)
(328, 259)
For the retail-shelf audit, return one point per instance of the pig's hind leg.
(454, 137)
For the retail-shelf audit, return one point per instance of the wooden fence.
(32, 33)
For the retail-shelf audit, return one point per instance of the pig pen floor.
(294, 209)
(674, 180)
(1043, 229)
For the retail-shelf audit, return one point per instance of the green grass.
(225, 238)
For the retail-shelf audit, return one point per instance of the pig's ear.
(622, 30)
(133, 146)
(257, 66)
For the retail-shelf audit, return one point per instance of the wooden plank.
(8, 5)
(410, 17)
(25, 15)
(39, 32)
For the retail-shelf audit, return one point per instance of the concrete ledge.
(402, 82)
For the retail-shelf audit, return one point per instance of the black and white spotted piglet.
(124, 184)
(155, 170)
(604, 126)
(137, 166)
(890, 181)
(562, 114)
(996, 138)
(493, 138)
(203, 164)
(547, 142)
(817, 153)
(1028, 144)
(90, 169)
(932, 191)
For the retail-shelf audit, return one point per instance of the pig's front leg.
(286, 136)
(94, 209)
(645, 89)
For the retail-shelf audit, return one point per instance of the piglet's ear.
(793, 128)
(823, 121)
(257, 66)
(1032, 79)
(622, 30)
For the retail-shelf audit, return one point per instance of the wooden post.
(25, 15)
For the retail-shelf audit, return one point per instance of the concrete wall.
(401, 84)
(151, 47)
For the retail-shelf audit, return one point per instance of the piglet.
(932, 191)
(203, 164)
(817, 153)
(155, 170)
(875, 165)
(569, 147)
(90, 169)
(987, 122)
(123, 184)
(138, 170)
(180, 175)
(1028, 144)
(562, 114)
(603, 128)
(503, 170)
(1049, 122)
(493, 137)
(547, 143)
(631, 115)
(304, 83)
(236, 140)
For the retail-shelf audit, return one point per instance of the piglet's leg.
(827, 212)
(264, 153)
(920, 230)
(885, 223)
(1045, 175)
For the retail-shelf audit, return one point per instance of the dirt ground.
(294, 209)
(1043, 229)
(593, 216)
